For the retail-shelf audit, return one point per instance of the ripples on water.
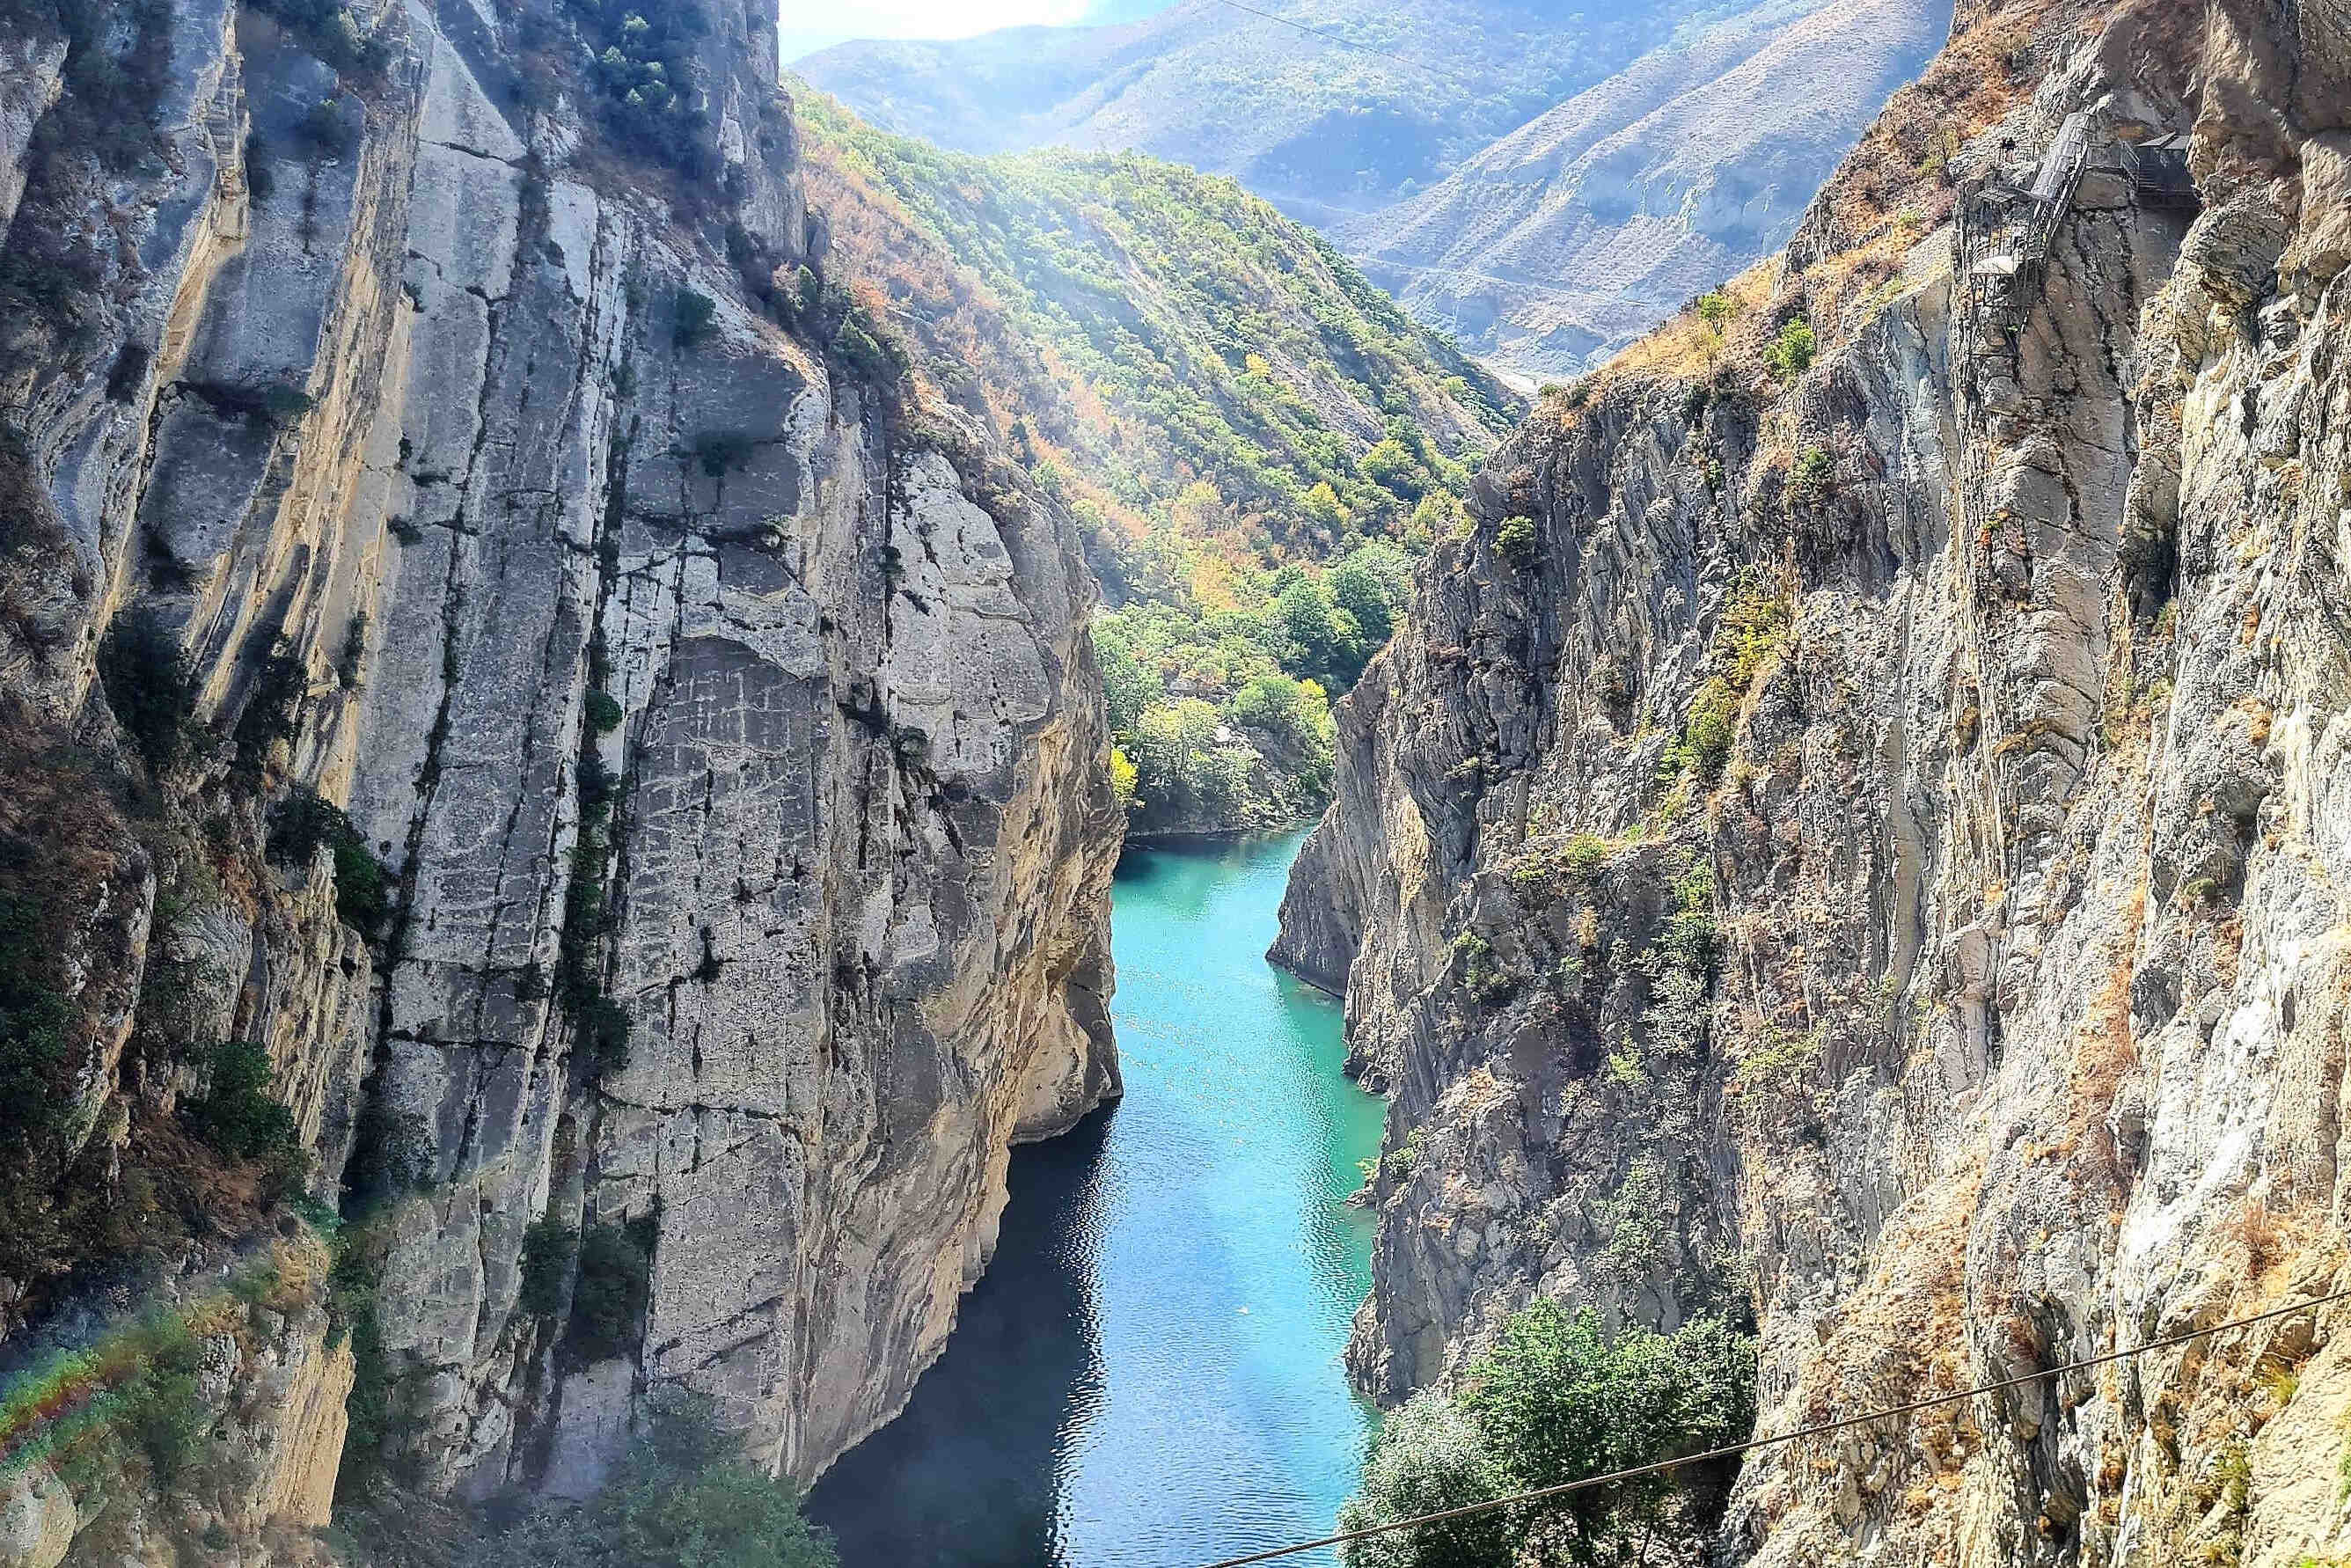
(1148, 1375)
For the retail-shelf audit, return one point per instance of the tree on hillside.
(1328, 643)
(1371, 584)
(1558, 1398)
(1430, 1457)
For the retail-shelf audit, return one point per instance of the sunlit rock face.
(692, 679)
(1979, 700)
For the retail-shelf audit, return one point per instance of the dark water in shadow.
(1148, 1375)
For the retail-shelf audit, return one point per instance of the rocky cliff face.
(1866, 847)
(450, 411)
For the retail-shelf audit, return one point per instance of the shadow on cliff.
(971, 1475)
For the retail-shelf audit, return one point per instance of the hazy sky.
(809, 25)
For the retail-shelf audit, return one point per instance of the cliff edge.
(493, 620)
(1855, 839)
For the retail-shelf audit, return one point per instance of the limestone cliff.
(1865, 842)
(490, 618)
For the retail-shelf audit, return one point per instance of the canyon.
(1856, 840)
(490, 622)
(558, 805)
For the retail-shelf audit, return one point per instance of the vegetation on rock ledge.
(1255, 441)
(1558, 1398)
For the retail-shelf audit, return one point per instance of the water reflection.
(1148, 1376)
(975, 1472)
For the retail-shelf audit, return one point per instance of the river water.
(1148, 1375)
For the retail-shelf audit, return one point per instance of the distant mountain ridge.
(1305, 122)
(1544, 186)
(1572, 237)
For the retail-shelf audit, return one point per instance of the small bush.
(683, 1497)
(1791, 354)
(1812, 474)
(36, 1017)
(869, 351)
(603, 711)
(1514, 541)
(719, 450)
(608, 1303)
(129, 372)
(1481, 976)
(237, 1115)
(362, 882)
(354, 1282)
(327, 131)
(598, 787)
(347, 664)
(697, 316)
(1706, 738)
(269, 715)
(1755, 626)
(260, 179)
(148, 686)
(1586, 857)
(397, 1152)
(327, 28)
(601, 1044)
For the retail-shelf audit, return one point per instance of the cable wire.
(1659, 1467)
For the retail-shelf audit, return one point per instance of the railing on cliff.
(2157, 171)
(2006, 254)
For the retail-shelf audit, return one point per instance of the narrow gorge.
(583, 636)
(1854, 843)
(492, 632)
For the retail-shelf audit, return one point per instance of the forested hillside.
(1386, 100)
(1546, 183)
(1255, 440)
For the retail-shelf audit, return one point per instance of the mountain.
(1317, 126)
(1546, 186)
(1848, 867)
(1563, 241)
(557, 810)
(1248, 432)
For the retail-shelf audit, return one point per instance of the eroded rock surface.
(722, 714)
(1875, 859)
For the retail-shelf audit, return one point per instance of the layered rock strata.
(722, 715)
(1866, 852)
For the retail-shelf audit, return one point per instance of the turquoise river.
(1149, 1375)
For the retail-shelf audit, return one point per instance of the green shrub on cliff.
(328, 30)
(237, 1115)
(685, 1496)
(1790, 353)
(36, 1015)
(1558, 1399)
(614, 1286)
(148, 685)
(362, 883)
(1514, 541)
(1430, 1457)
(1754, 629)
